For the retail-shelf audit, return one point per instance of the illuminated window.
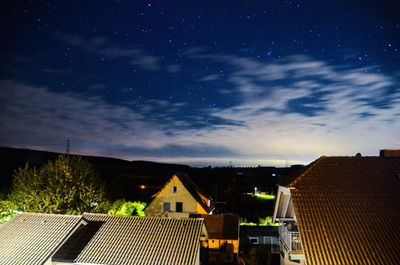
(253, 240)
(175, 189)
(167, 206)
(179, 207)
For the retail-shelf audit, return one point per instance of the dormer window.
(175, 189)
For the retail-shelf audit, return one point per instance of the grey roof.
(136, 240)
(31, 238)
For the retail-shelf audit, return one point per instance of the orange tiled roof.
(348, 210)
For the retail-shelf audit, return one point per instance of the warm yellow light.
(142, 187)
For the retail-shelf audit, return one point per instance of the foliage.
(127, 208)
(250, 224)
(7, 210)
(68, 185)
(268, 221)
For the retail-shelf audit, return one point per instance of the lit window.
(253, 240)
(175, 189)
(167, 206)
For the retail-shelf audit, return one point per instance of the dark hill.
(125, 178)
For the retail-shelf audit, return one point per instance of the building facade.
(179, 197)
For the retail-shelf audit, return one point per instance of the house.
(260, 235)
(178, 198)
(222, 244)
(100, 239)
(341, 210)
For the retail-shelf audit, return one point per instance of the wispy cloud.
(302, 107)
(295, 109)
(36, 116)
(134, 56)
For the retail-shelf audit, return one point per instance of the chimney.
(389, 153)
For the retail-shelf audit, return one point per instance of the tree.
(7, 210)
(127, 208)
(68, 185)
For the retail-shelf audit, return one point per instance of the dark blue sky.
(201, 82)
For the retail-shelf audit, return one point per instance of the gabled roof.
(31, 238)
(136, 240)
(221, 226)
(193, 189)
(348, 210)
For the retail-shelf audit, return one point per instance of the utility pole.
(67, 149)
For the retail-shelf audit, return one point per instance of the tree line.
(67, 185)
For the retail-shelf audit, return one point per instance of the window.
(179, 207)
(253, 240)
(175, 189)
(167, 206)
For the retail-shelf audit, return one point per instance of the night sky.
(201, 82)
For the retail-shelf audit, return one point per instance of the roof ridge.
(139, 217)
(309, 168)
(50, 214)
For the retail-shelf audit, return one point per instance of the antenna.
(67, 150)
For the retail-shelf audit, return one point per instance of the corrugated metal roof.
(136, 240)
(348, 210)
(30, 238)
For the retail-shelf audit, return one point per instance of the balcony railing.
(291, 239)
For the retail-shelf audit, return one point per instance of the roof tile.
(348, 210)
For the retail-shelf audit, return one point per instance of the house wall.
(218, 243)
(167, 194)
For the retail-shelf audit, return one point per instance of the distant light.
(142, 187)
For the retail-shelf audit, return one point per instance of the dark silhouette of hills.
(124, 179)
(122, 176)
